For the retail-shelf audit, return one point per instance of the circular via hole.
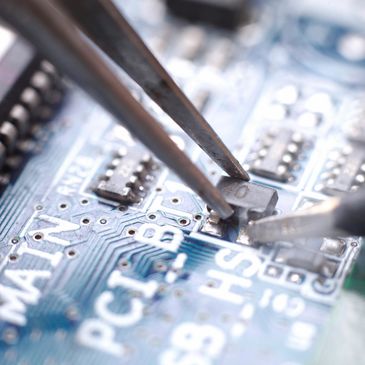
(122, 208)
(37, 236)
(124, 264)
(152, 216)
(13, 257)
(158, 190)
(103, 221)
(14, 241)
(84, 202)
(178, 293)
(160, 266)
(72, 313)
(39, 207)
(63, 206)
(211, 284)
(162, 288)
(10, 335)
(198, 217)
(184, 221)
(85, 221)
(175, 200)
(131, 232)
(71, 253)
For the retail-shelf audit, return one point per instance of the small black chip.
(31, 90)
(124, 180)
(221, 13)
(277, 155)
(344, 171)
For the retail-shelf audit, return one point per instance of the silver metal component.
(213, 225)
(313, 261)
(316, 221)
(20, 116)
(8, 135)
(295, 277)
(335, 247)
(273, 271)
(31, 98)
(41, 81)
(249, 201)
(243, 237)
(48, 68)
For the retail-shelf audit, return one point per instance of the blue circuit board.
(87, 280)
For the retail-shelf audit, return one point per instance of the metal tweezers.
(334, 217)
(58, 29)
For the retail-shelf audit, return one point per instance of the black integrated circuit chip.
(277, 154)
(354, 125)
(222, 13)
(124, 181)
(30, 91)
(344, 171)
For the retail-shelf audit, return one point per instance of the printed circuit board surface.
(107, 257)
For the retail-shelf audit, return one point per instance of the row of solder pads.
(31, 90)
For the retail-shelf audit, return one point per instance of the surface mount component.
(249, 202)
(311, 255)
(124, 180)
(344, 171)
(333, 246)
(30, 91)
(226, 13)
(354, 125)
(276, 155)
(107, 257)
(312, 261)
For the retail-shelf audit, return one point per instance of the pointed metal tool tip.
(233, 168)
(243, 173)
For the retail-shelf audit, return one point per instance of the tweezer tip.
(236, 170)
